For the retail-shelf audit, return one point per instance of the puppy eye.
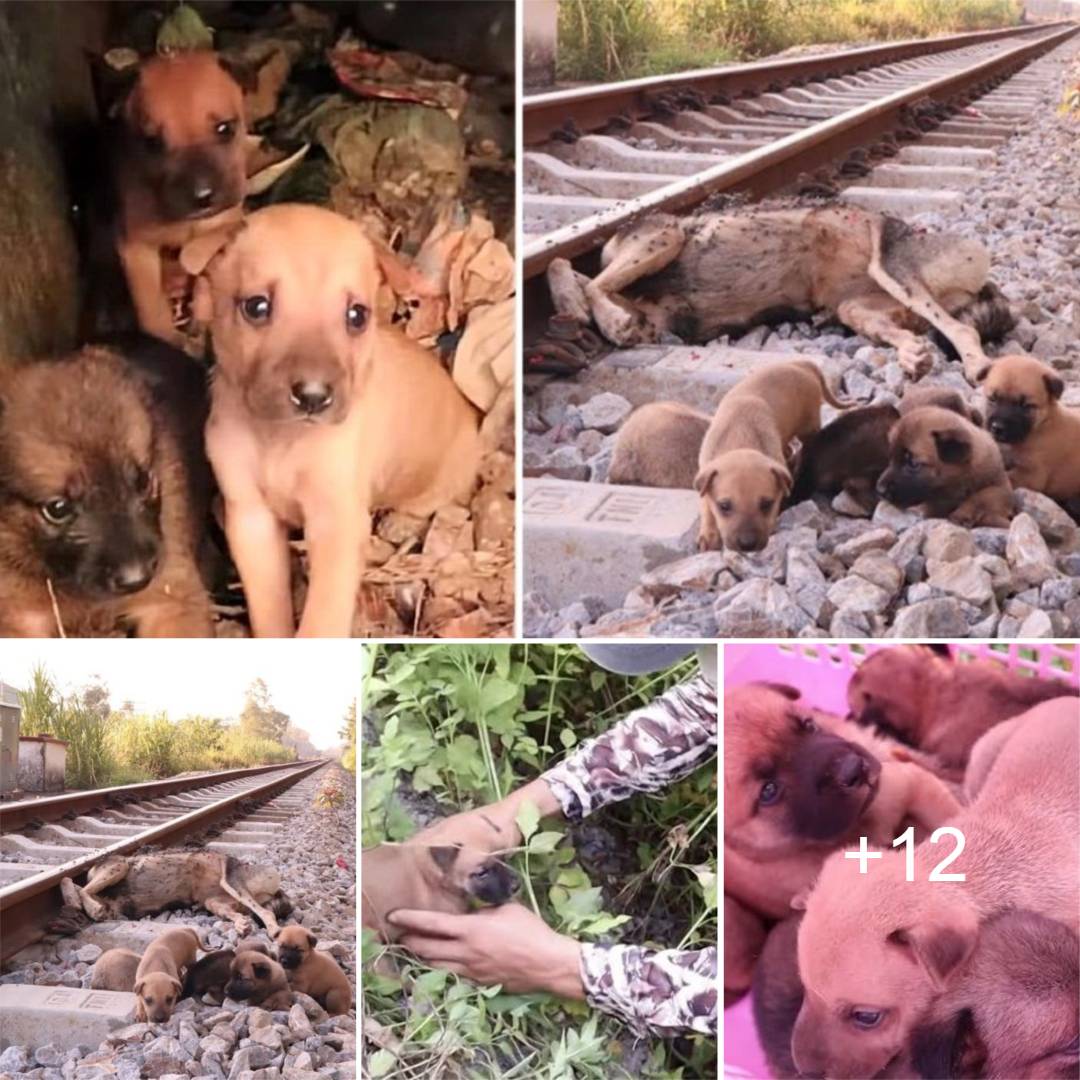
(866, 1018)
(725, 506)
(908, 460)
(356, 317)
(58, 511)
(153, 143)
(141, 479)
(766, 505)
(256, 309)
(770, 793)
(225, 130)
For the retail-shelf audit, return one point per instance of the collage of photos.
(661, 421)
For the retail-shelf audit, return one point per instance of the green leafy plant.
(459, 726)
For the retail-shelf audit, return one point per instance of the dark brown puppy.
(849, 454)
(443, 878)
(313, 972)
(178, 168)
(941, 461)
(658, 446)
(943, 397)
(257, 979)
(920, 696)
(98, 503)
(211, 972)
(1027, 416)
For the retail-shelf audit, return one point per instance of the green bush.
(608, 40)
(464, 724)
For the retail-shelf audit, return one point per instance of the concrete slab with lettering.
(61, 1015)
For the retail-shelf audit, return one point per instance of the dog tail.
(829, 394)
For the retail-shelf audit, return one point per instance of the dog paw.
(915, 360)
(244, 925)
(70, 892)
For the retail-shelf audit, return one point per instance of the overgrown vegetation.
(107, 746)
(605, 40)
(347, 733)
(460, 726)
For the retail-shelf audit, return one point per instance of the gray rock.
(15, 1059)
(801, 570)
(845, 503)
(565, 463)
(985, 628)
(49, 1054)
(759, 604)
(870, 540)
(941, 617)
(892, 517)
(605, 412)
(947, 542)
(880, 570)
(1057, 592)
(537, 616)
(805, 513)
(992, 541)
(1056, 526)
(964, 579)
(997, 568)
(1028, 555)
(88, 953)
(854, 593)
(850, 623)
(1008, 627)
(249, 1058)
(1037, 625)
(699, 571)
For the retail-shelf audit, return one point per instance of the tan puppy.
(1027, 416)
(443, 878)
(919, 695)
(311, 972)
(179, 170)
(800, 784)
(946, 464)
(942, 397)
(115, 969)
(658, 446)
(159, 978)
(743, 472)
(257, 979)
(319, 415)
(876, 950)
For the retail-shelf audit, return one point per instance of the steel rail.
(591, 107)
(769, 168)
(27, 906)
(17, 815)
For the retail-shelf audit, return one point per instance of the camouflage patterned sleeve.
(665, 993)
(647, 750)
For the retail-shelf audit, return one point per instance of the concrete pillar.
(541, 33)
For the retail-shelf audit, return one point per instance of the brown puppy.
(658, 446)
(798, 785)
(115, 969)
(209, 974)
(943, 462)
(743, 471)
(100, 519)
(319, 415)
(178, 168)
(1027, 416)
(257, 979)
(943, 397)
(849, 454)
(919, 695)
(444, 878)
(312, 972)
(159, 976)
(875, 950)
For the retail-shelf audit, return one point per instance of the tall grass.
(106, 747)
(620, 39)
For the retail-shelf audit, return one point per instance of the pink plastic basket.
(821, 671)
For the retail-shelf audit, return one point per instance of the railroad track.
(44, 840)
(900, 127)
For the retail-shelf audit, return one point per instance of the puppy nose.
(131, 576)
(203, 196)
(515, 886)
(311, 397)
(849, 769)
(747, 542)
(997, 427)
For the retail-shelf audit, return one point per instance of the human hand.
(506, 945)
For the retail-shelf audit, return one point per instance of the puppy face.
(1021, 392)
(788, 784)
(885, 692)
(251, 976)
(874, 951)
(474, 874)
(294, 946)
(159, 994)
(930, 456)
(184, 121)
(289, 302)
(78, 485)
(743, 490)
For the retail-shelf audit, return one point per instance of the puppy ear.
(981, 374)
(111, 83)
(245, 75)
(197, 254)
(703, 480)
(783, 478)
(137, 988)
(177, 983)
(939, 1046)
(953, 448)
(782, 688)
(444, 856)
(798, 901)
(941, 945)
(312, 940)
(1055, 387)
(977, 417)
(939, 648)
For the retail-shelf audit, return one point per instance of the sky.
(312, 681)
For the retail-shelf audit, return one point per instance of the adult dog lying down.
(700, 275)
(131, 886)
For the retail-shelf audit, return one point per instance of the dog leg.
(643, 250)
(909, 790)
(567, 288)
(102, 877)
(910, 289)
(226, 909)
(874, 318)
(708, 534)
(335, 542)
(259, 545)
(142, 268)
